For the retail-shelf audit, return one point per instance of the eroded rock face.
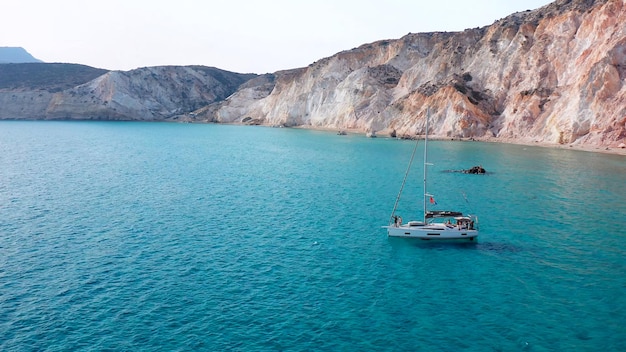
(555, 75)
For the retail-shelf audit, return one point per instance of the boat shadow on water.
(433, 243)
(485, 246)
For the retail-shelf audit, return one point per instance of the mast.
(426, 162)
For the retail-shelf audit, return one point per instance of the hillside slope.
(41, 76)
(147, 94)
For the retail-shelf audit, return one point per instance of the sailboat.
(436, 224)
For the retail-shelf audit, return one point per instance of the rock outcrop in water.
(475, 170)
(552, 75)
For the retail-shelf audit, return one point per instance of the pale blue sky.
(236, 35)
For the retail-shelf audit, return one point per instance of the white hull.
(434, 231)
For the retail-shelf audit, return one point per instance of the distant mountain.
(15, 55)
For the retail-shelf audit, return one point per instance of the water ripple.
(183, 237)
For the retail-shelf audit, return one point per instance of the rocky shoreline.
(614, 148)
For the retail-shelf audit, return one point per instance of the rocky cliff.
(553, 75)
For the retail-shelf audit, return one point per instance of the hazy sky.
(235, 35)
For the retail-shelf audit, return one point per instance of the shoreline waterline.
(613, 150)
(521, 142)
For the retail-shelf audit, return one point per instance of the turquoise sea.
(185, 237)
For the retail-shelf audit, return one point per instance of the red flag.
(432, 201)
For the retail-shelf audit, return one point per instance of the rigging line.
(468, 203)
(406, 174)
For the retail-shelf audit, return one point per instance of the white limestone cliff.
(554, 75)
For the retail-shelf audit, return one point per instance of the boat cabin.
(451, 219)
